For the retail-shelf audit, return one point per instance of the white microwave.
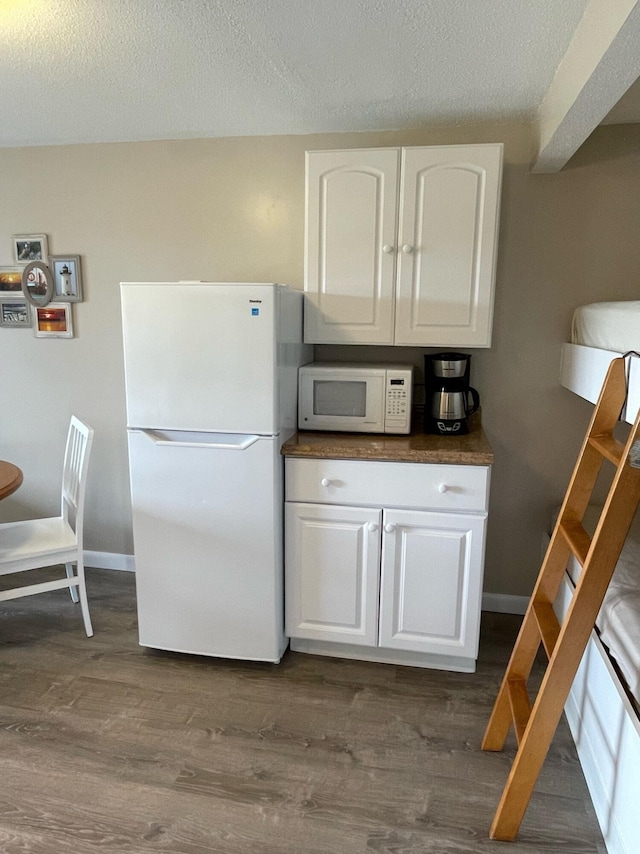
(358, 398)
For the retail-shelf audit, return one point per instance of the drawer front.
(411, 485)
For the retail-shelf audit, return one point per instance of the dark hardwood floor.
(107, 747)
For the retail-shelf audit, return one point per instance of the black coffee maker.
(447, 391)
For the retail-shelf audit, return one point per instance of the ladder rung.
(547, 624)
(577, 538)
(610, 448)
(520, 706)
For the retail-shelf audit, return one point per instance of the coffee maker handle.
(475, 397)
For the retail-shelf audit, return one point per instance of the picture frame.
(15, 313)
(67, 278)
(10, 280)
(54, 320)
(37, 283)
(29, 247)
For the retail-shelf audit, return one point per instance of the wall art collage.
(38, 290)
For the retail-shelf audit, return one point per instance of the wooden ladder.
(564, 643)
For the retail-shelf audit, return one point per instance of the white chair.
(48, 542)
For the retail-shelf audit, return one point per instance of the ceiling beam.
(601, 63)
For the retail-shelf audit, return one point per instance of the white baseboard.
(498, 602)
(501, 603)
(110, 560)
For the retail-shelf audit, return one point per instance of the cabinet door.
(432, 567)
(332, 567)
(351, 217)
(449, 204)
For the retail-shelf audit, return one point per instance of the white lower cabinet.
(431, 582)
(398, 583)
(334, 579)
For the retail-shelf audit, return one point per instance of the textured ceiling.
(114, 70)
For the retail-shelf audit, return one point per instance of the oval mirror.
(37, 283)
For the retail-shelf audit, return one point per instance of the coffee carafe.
(447, 393)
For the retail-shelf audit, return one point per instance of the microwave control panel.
(397, 417)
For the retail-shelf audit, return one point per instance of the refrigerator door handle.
(184, 439)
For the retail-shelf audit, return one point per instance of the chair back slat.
(76, 463)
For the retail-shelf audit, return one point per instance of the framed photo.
(37, 283)
(29, 247)
(15, 312)
(53, 320)
(10, 280)
(67, 277)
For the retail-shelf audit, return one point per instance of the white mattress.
(608, 326)
(619, 618)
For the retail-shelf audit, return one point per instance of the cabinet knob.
(387, 249)
(443, 488)
(325, 481)
(389, 528)
(371, 526)
(407, 249)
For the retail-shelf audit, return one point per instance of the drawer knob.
(387, 249)
(407, 249)
(325, 481)
(371, 526)
(389, 528)
(443, 488)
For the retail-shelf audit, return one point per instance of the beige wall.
(232, 209)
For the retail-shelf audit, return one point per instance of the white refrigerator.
(211, 392)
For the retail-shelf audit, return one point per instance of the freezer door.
(201, 356)
(207, 525)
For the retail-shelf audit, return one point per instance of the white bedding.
(619, 617)
(608, 326)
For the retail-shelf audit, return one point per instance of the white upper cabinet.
(401, 245)
(350, 257)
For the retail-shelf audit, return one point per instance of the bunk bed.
(603, 709)
(601, 332)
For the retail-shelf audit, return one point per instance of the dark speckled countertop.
(473, 449)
